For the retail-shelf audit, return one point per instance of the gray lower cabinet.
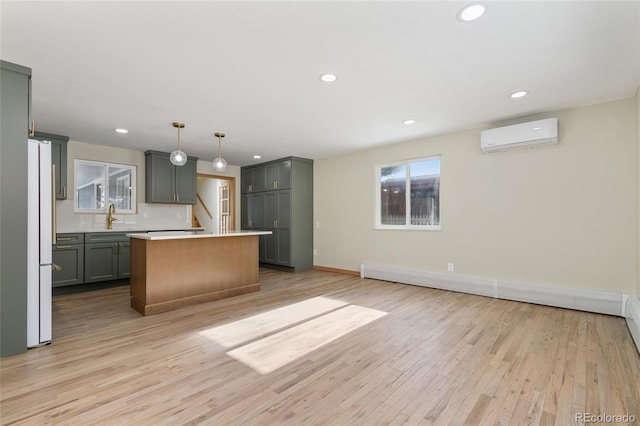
(68, 255)
(166, 183)
(101, 262)
(106, 256)
(253, 206)
(284, 206)
(252, 218)
(124, 259)
(278, 221)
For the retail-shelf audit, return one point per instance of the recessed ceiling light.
(409, 122)
(519, 94)
(257, 157)
(471, 12)
(120, 130)
(328, 77)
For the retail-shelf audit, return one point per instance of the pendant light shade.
(178, 157)
(219, 163)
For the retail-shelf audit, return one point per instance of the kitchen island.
(174, 269)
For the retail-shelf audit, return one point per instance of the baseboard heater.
(602, 302)
(584, 300)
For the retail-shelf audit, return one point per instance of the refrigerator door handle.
(54, 230)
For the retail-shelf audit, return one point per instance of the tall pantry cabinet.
(277, 196)
(14, 114)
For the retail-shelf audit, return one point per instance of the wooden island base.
(169, 273)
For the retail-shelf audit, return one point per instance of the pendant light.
(219, 164)
(178, 157)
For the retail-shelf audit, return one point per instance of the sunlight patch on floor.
(247, 329)
(272, 352)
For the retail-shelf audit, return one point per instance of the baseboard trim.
(336, 270)
(632, 315)
(572, 298)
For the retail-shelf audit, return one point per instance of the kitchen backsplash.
(148, 217)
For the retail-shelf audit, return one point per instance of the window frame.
(377, 221)
(107, 190)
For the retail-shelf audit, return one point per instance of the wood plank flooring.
(437, 357)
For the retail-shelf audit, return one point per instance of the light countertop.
(178, 235)
(134, 229)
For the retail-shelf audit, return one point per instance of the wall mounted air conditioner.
(531, 134)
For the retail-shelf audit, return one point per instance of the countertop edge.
(175, 236)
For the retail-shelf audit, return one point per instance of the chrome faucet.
(110, 218)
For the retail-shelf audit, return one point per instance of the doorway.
(214, 210)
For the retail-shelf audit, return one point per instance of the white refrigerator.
(40, 228)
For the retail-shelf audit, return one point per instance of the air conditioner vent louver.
(531, 134)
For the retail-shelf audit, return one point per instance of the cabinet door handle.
(177, 198)
(64, 238)
(64, 192)
(63, 247)
(55, 267)
(32, 131)
(250, 188)
(117, 247)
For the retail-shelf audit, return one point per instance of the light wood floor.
(437, 357)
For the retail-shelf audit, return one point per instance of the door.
(223, 208)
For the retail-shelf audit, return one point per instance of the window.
(100, 184)
(410, 186)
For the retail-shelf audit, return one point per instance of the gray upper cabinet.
(278, 175)
(283, 206)
(252, 179)
(166, 183)
(59, 159)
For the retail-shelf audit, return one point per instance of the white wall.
(563, 215)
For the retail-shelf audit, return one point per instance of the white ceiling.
(251, 69)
